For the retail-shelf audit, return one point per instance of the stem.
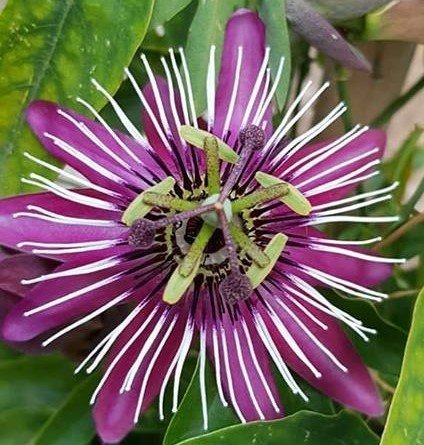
(343, 91)
(397, 104)
(417, 219)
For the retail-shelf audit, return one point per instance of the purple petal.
(44, 118)
(362, 272)
(354, 388)
(371, 139)
(164, 137)
(24, 228)
(246, 30)
(248, 386)
(114, 424)
(18, 327)
(21, 266)
(320, 33)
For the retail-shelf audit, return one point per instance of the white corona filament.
(202, 378)
(93, 138)
(149, 369)
(129, 126)
(300, 141)
(180, 85)
(87, 318)
(189, 88)
(210, 88)
(77, 180)
(234, 92)
(262, 109)
(256, 87)
(217, 360)
(246, 377)
(111, 132)
(78, 154)
(45, 184)
(258, 367)
(122, 352)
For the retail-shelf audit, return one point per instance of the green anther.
(210, 145)
(196, 137)
(178, 285)
(138, 208)
(196, 250)
(294, 199)
(169, 202)
(257, 274)
(245, 243)
(260, 196)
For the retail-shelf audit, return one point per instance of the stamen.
(260, 196)
(196, 137)
(273, 251)
(196, 250)
(138, 208)
(212, 161)
(245, 243)
(295, 200)
(169, 202)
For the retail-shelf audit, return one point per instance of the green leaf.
(50, 50)
(273, 13)
(385, 349)
(207, 29)
(405, 421)
(71, 423)
(19, 425)
(304, 427)
(38, 382)
(164, 10)
(187, 422)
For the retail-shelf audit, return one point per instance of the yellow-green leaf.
(273, 250)
(139, 209)
(50, 49)
(405, 421)
(196, 137)
(294, 199)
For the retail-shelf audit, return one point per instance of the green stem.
(397, 104)
(343, 91)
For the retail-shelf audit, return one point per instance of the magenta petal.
(354, 388)
(252, 392)
(17, 230)
(246, 30)
(113, 424)
(22, 266)
(44, 118)
(362, 272)
(368, 141)
(18, 327)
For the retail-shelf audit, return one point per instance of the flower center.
(216, 212)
